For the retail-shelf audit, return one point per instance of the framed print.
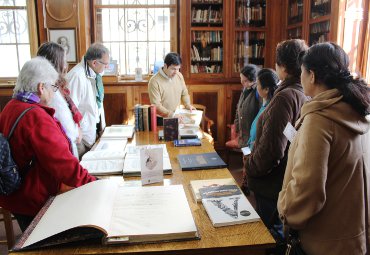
(66, 38)
(111, 69)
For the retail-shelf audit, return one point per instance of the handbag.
(10, 178)
(293, 244)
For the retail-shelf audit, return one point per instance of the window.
(137, 32)
(17, 20)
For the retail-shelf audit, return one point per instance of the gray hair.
(35, 71)
(96, 51)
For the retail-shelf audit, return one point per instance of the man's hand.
(190, 107)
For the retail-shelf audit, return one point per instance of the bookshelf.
(207, 33)
(249, 34)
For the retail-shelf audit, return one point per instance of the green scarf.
(100, 89)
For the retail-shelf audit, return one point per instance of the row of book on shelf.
(207, 36)
(251, 51)
(246, 15)
(206, 54)
(206, 15)
(205, 68)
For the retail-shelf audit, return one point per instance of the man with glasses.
(87, 92)
(38, 138)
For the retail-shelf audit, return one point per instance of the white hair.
(35, 71)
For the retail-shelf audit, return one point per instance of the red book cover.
(153, 115)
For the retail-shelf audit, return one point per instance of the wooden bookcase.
(328, 20)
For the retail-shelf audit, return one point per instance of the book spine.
(153, 113)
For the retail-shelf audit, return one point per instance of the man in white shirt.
(87, 92)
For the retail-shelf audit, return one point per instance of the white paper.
(103, 154)
(246, 151)
(111, 144)
(122, 131)
(189, 118)
(151, 162)
(289, 132)
(110, 166)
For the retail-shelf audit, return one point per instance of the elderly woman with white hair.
(38, 138)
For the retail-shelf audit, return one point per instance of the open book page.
(88, 205)
(152, 213)
(111, 144)
(122, 131)
(103, 154)
(190, 118)
(107, 166)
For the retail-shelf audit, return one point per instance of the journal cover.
(187, 142)
(200, 161)
(170, 129)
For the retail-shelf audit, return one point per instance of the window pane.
(24, 54)
(9, 52)
(12, 3)
(13, 26)
(129, 33)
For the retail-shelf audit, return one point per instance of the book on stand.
(121, 214)
(226, 205)
(170, 129)
(200, 161)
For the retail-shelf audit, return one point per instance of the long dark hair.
(268, 79)
(55, 54)
(329, 63)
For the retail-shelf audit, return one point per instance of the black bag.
(10, 179)
(293, 244)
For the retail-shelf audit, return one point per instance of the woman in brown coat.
(325, 194)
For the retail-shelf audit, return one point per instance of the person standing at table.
(87, 92)
(39, 145)
(247, 107)
(65, 109)
(265, 166)
(167, 89)
(326, 193)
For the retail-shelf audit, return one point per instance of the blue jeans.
(267, 210)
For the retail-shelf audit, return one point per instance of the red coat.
(39, 135)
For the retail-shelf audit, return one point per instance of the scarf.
(100, 90)
(27, 97)
(63, 88)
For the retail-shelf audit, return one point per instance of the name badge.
(290, 132)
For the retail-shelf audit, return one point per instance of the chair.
(8, 224)
(232, 146)
(206, 123)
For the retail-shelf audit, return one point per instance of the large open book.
(119, 131)
(123, 214)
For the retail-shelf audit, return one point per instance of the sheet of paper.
(289, 132)
(151, 210)
(246, 151)
(100, 166)
(151, 162)
(111, 144)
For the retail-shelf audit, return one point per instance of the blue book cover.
(187, 142)
(200, 161)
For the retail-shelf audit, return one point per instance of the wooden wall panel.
(213, 98)
(115, 106)
(3, 101)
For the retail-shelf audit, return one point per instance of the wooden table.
(250, 238)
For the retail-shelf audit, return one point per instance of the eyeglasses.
(101, 62)
(54, 87)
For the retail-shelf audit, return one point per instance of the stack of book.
(145, 117)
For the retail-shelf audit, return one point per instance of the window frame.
(174, 32)
(33, 34)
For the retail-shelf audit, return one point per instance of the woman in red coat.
(40, 138)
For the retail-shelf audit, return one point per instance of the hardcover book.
(121, 214)
(227, 205)
(188, 133)
(200, 161)
(119, 131)
(170, 129)
(195, 185)
(187, 142)
(229, 210)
